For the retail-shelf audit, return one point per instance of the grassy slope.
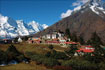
(23, 47)
(38, 48)
(23, 66)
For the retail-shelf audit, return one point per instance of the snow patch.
(36, 26)
(68, 13)
(44, 26)
(77, 8)
(22, 30)
(10, 28)
(3, 19)
(93, 9)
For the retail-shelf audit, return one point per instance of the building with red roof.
(86, 49)
(71, 43)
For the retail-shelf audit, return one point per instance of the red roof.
(71, 43)
(87, 46)
(52, 42)
(86, 50)
(78, 50)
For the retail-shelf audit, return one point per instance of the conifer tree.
(67, 33)
(81, 40)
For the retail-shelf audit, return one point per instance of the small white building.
(53, 35)
(48, 36)
(19, 39)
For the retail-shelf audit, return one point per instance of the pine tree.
(74, 37)
(95, 40)
(81, 40)
(67, 33)
(72, 50)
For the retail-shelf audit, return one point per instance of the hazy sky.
(42, 11)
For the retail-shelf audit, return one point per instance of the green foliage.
(11, 54)
(15, 39)
(50, 47)
(93, 59)
(102, 66)
(95, 40)
(58, 55)
(3, 57)
(81, 40)
(78, 64)
(41, 59)
(88, 42)
(99, 52)
(50, 62)
(72, 50)
(67, 33)
(14, 54)
(48, 54)
(12, 51)
(25, 38)
(74, 37)
(20, 58)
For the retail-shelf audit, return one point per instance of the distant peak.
(33, 21)
(3, 19)
(44, 26)
(19, 21)
(97, 3)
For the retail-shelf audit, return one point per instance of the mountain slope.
(10, 28)
(83, 22)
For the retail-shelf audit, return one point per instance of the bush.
(48, 54)
(20, 58)
(50, 62)
(3, 57)
(58, 55)
(80, 64)
(50, 47)
(41, 59)
(102, 66)
(12, 53)
(93, 59)
(12, 50)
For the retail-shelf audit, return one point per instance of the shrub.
(3, 57)
(48, 54)
(14, 54)
(102, 66)
(50, 47)
(94, 59)
(12, 49)
(50, 62)
(59, 55)
(41, 59)
(20, 58)
(80, 64)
